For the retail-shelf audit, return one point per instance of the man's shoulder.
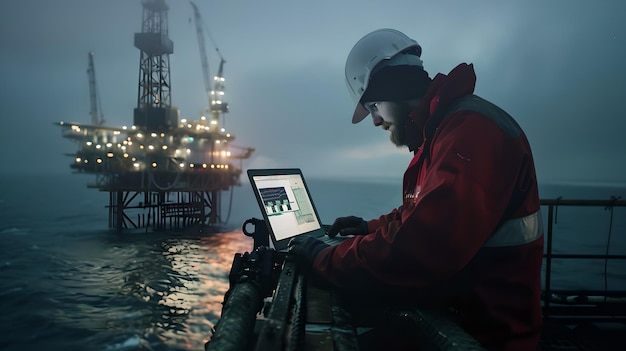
(493, 112)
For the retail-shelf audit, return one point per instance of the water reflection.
(196, 283)
(151, 291)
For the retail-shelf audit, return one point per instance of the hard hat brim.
(359, 114)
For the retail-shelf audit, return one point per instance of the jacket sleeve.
(384, 220)
(465, 191)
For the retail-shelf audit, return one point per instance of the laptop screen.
(285, 202)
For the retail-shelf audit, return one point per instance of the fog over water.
(556, 66)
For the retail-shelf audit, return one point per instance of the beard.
(397, 135)
(401, 133)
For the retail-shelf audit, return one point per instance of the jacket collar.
(444, 89)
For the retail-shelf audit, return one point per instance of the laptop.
(287, 206)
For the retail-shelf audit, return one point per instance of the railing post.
(547, 291)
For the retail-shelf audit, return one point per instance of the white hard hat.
(367, 53)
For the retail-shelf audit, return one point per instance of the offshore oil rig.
(163, 172)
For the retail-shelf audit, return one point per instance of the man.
(468, 236)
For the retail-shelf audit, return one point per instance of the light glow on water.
(70, 284)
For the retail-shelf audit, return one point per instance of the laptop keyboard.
(331, 241)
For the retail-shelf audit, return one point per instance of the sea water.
(67, 282)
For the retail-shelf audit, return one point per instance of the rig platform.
(163, 172)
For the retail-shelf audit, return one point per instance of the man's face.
(392, 116)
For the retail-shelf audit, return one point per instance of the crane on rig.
(214, 93)
(97, 118)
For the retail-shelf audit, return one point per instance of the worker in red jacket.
(468, 236)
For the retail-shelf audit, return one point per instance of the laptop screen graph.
(287, 204)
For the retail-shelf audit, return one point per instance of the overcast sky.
(556, 65)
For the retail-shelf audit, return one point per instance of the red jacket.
(468, 234)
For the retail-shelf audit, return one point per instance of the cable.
(153, 181)
(556, 209)
(608, 245)
(230, 205)
(206, 29)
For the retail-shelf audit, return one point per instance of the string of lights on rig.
(192, 146)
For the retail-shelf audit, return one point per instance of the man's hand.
(304, 249)
(350, 225)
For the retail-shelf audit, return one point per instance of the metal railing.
(588, 304)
